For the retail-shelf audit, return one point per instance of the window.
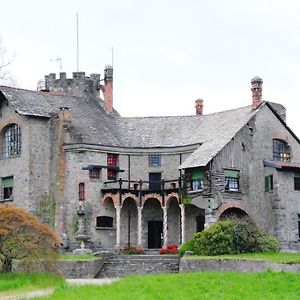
(7, 186)
(298, 226)
(112, 161)
(104, 221)
(297, 181)
(94, 173)
(154, 160)
(269, 183)
(197, 180)
(281, 150)
(81, 191)
(232, 180)
(11, 141)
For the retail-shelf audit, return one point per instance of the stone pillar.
(210, 217)
(140, 228)
(165, 225)
(118, 226)
(182, 223)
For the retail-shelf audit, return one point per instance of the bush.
(169, 249)
(232, 237)
(216, 240)
(132, 250)
(187, 246)
(269, 243)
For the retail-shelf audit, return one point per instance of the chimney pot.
(199, 107)
(256, 89)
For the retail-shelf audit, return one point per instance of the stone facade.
(135, 179)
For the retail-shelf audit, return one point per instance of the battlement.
(78, 85)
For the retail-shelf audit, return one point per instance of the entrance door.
(155, 181)
(155, 230)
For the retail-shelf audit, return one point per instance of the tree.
(5, 61)
(23, 237)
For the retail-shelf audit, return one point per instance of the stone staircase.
(121, 265)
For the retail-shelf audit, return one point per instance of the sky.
(166, 53)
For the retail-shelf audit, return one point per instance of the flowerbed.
(169, 249)
(132, 250)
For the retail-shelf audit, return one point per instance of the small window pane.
(7, 185)
(112, 160)
(154, 160)
(297, 181)
(94, 174)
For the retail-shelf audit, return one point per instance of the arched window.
(11, 141)
(81, 191)
(281, 150)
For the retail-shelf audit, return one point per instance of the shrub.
(132, 250)
(269, 243)
(169, 249)
(187, 246)
(232, 237)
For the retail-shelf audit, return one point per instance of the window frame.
(107, 220)
(95, 174)
(154, 160)
(297, 181)
(281, 150)
(231, 180)
(112, 161)
(81, 191)
(11, 141)
(269, 183)
(7, 190)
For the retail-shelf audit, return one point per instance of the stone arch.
(152, 219)
(194, 220)
(113, 197)
(129, 222)
(174, 213)
(229, 210)
(171, 197)
(152, 196)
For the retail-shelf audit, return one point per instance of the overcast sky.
(167, 53)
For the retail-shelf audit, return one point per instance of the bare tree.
(6, 77)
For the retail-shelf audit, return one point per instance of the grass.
(21, 282)
(204, 285)
(279, 257)
(80, 257)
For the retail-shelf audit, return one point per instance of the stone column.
(118, 226)
(165, 225)
(182, 223)
(210, 217)
(140, 228)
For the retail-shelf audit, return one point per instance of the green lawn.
(205, 285)
(19, 282)
(281, 257)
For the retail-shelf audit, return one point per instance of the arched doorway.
(129, 223)
(173, 222)
(233, 213)
(152, 217)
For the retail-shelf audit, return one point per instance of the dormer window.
(232, 182)
(197, 177)
(281, 150)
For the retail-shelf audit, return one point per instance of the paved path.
(45, 292)
(97, 281)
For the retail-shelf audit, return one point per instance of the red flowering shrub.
(169, 249)
(132, 250)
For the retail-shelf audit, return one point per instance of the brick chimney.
(108, 88)
(256, 89)
(199, 107)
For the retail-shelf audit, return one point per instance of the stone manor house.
(147, 181)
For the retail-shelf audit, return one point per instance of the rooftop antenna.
(59, 61)
(77, 35)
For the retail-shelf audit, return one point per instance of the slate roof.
(91, 124)
(282, 164)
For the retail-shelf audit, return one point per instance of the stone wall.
(239, 265)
